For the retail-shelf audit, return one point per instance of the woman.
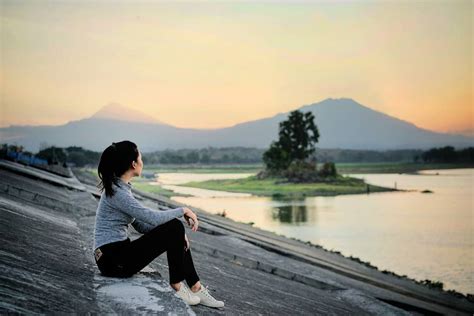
(115, 254)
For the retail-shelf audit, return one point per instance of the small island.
(278, 187)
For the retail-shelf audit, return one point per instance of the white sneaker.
(186, 295)
(207, 299)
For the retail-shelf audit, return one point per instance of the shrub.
(301, 171)
(328, 170)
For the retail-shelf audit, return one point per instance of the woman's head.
(116, 160)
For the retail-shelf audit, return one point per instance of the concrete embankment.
(47, 232)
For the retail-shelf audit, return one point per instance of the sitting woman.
(115, 254)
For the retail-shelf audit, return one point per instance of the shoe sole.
(211, 305)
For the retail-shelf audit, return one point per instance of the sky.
(211, 64)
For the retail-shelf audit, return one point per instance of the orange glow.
(209, 65)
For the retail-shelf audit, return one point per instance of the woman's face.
(138, 165)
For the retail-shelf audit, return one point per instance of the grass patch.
(154, 189)
(144, 185)
(278, 187)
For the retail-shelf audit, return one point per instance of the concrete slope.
(46, 262)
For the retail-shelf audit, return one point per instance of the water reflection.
(290, 211)
(290, 214)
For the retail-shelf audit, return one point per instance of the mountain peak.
(116, 111)
(332, 103)
(340, 100)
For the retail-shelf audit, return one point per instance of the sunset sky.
(213, 64)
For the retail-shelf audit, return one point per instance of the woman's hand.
(186, 247)
(191, 219)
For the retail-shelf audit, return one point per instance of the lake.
(425, 236)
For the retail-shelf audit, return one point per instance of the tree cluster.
(71, 155)
(447, 154)
(209, 155)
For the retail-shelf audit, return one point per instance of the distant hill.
(343, 123)
(116, 111)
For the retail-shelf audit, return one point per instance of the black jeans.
(125, 258)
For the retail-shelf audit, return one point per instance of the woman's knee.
(176, 225)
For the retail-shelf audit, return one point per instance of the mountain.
(342, 123)
(116, 111)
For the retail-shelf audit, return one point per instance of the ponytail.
(114, 162)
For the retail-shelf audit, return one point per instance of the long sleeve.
(124, 201)
(141, 227)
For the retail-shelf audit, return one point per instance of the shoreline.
(432, 284)
(429, 283)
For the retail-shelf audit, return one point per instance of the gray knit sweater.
(115, 213)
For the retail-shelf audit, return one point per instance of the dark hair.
(114, 162)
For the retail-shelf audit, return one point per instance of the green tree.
(53, 155)
(276, 158)
(328, 170)
(298, 136)
(205, 158)
(192, 157)
(444, 154)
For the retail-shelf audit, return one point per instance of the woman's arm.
(124, 201)
(141, 227)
